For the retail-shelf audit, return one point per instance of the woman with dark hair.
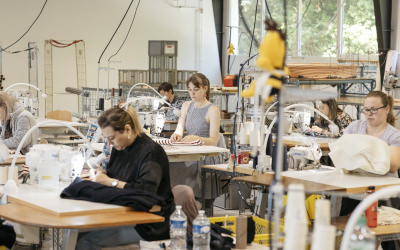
(172, 112)
(199, 117)
(138, 163)
(335, 114)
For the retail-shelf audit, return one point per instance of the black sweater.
(144, 165)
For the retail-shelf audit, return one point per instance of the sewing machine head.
(304, 157)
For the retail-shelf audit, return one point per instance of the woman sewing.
(201, 120)
(172, 111)
(335, 114)
(379, 122)
(136, 162)
(16, 121)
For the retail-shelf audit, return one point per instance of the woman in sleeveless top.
(201, 120)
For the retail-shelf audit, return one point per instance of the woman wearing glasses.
(379, 122)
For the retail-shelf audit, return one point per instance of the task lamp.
(11, 186)
(26, 84)
(143, 84)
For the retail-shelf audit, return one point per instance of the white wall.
(95, 21)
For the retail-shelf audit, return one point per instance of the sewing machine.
(153, 120)
(304, 157)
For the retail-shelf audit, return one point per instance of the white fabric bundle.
(361, 152)
(388, 216)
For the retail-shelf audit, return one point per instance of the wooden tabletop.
(34, 217)
(241, 169)
(340, 223)
(309, 186)
(20, 160)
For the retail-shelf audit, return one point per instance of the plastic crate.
(261, 236)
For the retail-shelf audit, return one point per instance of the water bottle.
(177, 231)
(201, 232)
(362, 238)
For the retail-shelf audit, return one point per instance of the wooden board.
(323, 70)
(340, 223)
(34, 217)
(50, 202)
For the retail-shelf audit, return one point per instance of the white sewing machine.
(304, 157)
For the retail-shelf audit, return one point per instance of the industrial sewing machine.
(304, 157)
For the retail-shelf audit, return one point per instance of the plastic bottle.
(362, 238)
(177, 229)
(201, 232)
(372, 211)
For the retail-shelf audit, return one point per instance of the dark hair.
(165, 86)
(387, 100)
(200, 80)
(117, 118)
(334, 111)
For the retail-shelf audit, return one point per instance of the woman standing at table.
(201, 120)
(16, 121)
(335, 114)
(136, 162)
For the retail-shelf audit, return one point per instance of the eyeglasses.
(372, 110)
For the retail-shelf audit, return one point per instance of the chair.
(62, 115)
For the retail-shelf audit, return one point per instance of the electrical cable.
(127, 34)
(246, 26)
(18, 51)
(115, 31)
(301, 20)
(28, 28)
(254, 27)
(266, 4)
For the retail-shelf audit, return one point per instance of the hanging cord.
(27, 30)
(127, 34)
(63, 45)
(246, 26)
(266, 4)
(115, 32)
(254, 27)
(19, 51)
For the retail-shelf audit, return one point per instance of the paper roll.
(241, 232)
(324, 237)
(322, 212)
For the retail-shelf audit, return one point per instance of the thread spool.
(324, 237)
(244, 135)
(101, 104)
(295, 208)
(322, 212)
(255, 138)
(296, 236)
(241, 232)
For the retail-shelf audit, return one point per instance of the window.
(313, 26)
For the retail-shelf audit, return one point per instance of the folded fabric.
(354, 152)
(388, 216)
(139, 200)
(178, 143)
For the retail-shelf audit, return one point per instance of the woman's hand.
(175, 137)
(190, 138)
(102, 177)
(316, 129)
